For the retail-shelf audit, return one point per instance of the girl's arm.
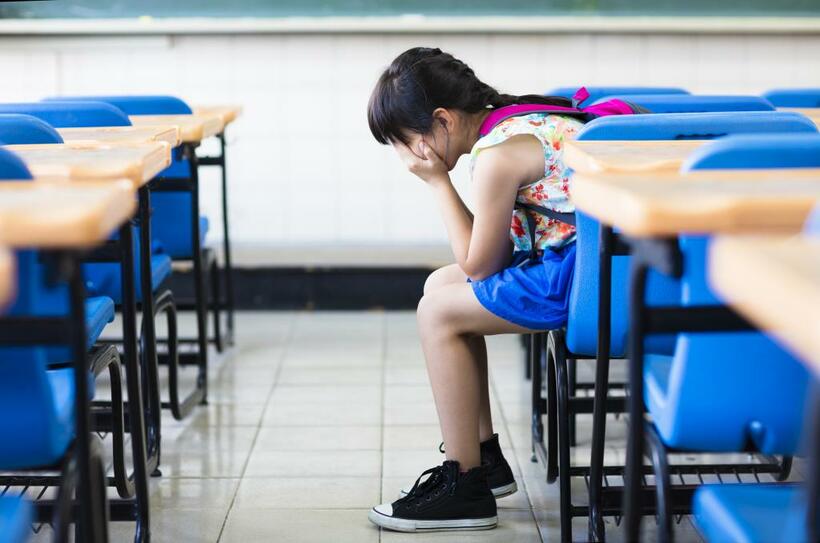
(481, 243)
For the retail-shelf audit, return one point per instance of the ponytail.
(422, 79)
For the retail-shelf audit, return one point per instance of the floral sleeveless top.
(552, 190)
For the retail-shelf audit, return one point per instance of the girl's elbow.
(478, 273)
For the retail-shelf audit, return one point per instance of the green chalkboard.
(326, 8)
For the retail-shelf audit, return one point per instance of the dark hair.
(422, 79)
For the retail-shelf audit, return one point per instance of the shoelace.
(430, 487)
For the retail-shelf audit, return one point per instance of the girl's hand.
(429, 167)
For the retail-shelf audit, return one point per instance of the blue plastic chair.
(694, 126)
(757, 151)
(596, 93)
(11, 167)
(694, 103)
(33, 396)
(746, 513)
(16, 516)
(806, 98)
(70, 114)
(754, 513)
(37, 401)
(135, 104)
(721, 392)
(582, 325)
(17, 128)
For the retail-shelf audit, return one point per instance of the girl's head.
(429, 96)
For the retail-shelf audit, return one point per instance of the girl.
(432, 109)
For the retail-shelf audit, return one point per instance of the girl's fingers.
(405, 154)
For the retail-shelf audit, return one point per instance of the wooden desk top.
(228, 114)
(192, 128)
(775, 283)
(122, 134)
(812, 113)
(55, 215)
(699, 202)
(137, 162)
(7, 277)
(628, 156)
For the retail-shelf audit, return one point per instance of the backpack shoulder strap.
(564, 217)
(497, 116)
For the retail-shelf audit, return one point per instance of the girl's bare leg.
(450, 319)
(449, 275)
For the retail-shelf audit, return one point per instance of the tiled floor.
(314, 418)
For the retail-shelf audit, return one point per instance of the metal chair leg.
(562, 400)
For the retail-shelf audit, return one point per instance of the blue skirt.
(534, 295)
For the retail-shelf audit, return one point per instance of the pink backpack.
(585, 114)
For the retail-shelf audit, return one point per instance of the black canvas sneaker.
(499, 474)
(447, 501)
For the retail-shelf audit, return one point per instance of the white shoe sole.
(506, 490)
(499, 491)
(409, 525)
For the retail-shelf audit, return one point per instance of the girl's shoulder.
(545, 126)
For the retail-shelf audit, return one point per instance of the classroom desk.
(628, 156)
(812, 113)
(7, 286)
(53, 215)
(228, 114)
(699, 202)
(192, 128)
(122, 134)
(137, 162)
(775, 283)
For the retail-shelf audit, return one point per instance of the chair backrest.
(695, 126)
(11, 167)
(29, 400)
(694, 103)
(582, 326)
(70, 114)
(757, 151)
(136, 104)
(596, 93)
(22, 129)
(807, 98)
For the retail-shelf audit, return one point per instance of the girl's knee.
(446, 275)
(432, 312)
(435, 280)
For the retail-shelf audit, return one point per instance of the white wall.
(305, 174)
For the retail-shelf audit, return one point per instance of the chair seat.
(747, 513)
(15, 519)
(103, 279)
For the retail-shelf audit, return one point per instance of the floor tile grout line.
(288, 337)
(381, 409)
